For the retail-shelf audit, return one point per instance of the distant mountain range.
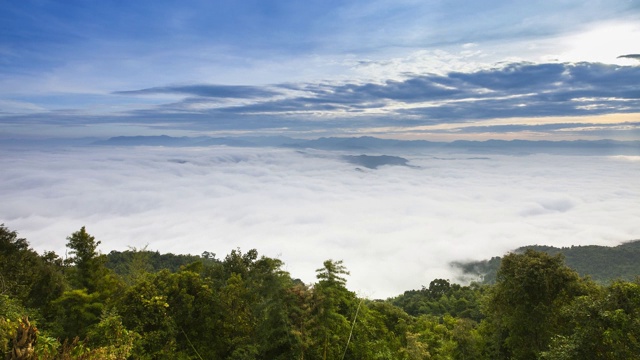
(359, 144)
(367, 143)
(601, 263)
(164, 140)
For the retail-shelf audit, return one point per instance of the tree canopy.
(140, 304)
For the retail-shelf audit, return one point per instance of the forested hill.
(602, 263)
(152, 261)
(141, 304)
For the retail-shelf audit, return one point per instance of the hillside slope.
(602, 263)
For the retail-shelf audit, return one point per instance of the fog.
(395, 227)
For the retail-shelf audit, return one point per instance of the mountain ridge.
(602, 263)
(366, 143)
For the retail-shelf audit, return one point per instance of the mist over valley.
(308, 205)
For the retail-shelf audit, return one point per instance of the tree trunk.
(24, 341)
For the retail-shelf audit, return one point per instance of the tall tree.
(525, 303)
(335, 306)
(94, 287)
(89, 264)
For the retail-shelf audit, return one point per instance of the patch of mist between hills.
(396, 228)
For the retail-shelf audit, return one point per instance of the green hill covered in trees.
(603, 264)
(140, 304)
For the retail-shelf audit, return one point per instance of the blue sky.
(406, 69)
(436, 70)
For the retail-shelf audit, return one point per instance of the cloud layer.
(514, 90)
(323, 68)
(395, 227)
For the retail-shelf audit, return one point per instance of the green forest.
(140, 304)
(600, 263)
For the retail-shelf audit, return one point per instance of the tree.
(18, 265)
(378, 331)
(32, 279)
(89, 264)
(467, 339)
(75, 311)
(604, 325)
(439, 288)
(334, 305)
(50, 283)
(144, 309)
(524, 305)
(271, 302)
(257, 300)
(442, 298)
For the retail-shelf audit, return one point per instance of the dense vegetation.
(601, 263)
(140, 304)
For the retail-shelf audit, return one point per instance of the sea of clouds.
(395, 227)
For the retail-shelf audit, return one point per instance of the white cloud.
(603, 42)
(396, 228)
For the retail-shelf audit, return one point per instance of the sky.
(406, 69)
(399, 69)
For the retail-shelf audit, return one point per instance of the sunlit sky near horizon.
(435, 70)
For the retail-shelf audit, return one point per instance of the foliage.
(75, 311)
(525, 303)
(145, 305)
(443, 298)
(11, 311)
(128, 263)
(483, 271)
(89, 265)
(603, 264)
(17, 262)
(25, 275)
(110, 339)
(144, 310)
(604, 325)
(333, 306)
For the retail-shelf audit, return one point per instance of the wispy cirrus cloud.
(518, 89)
(327, 66)
(207, 91)
(514, 90)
